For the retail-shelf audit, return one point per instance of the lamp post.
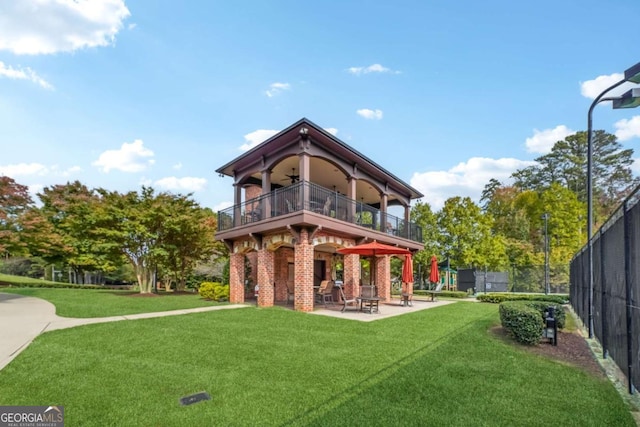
(628, 100)
(545, 216)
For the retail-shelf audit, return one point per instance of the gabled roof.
(291, 135)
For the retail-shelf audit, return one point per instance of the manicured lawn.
(437, 367)
(104, 303)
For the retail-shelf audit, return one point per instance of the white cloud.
(465, 179)
(542, 140)
(187, 183)
(23, 74)
(370, 114)
(222, 206)
(70, 171)
(32, 27)
(635, 166)
(592, 88)
(256, 137)
(628, 129)
(131, 157)
(276, 88)
(332, 131)
(177, 166)
(24, 169)
(373, 68)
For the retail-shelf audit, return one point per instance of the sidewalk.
(22, 319)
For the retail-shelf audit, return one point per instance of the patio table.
(368, 304)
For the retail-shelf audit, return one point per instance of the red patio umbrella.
(374, 249)
(407, 270)
(434, 276)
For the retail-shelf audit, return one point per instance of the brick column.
(303, 258)
(236, 278)
(383, 277)
(351, 275)
(265, 278)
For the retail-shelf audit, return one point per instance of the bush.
(214, 291)
(522, 321)
(497, 298)
(449, 294)
(542, 306)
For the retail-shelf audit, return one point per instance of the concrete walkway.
(22, 319)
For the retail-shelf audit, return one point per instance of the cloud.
(628, 129)
(131, 157)
(542, 141)
(465, 179)
(332, 131)
(33, 27)
(177, 166)
(256, 137)
(373, 68)
(222, 206)
(370, 114)
(23, 74)
(276, 88)
(24, 169)
(188, 183)
(592, 88)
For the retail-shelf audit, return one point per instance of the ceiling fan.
(293, 177)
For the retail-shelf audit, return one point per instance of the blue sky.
(445, 95)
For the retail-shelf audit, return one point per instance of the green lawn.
(104, 303)
(437, 367)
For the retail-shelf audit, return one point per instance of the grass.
(104, 303)
(278, 367)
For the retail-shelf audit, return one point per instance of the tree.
(14, 202)
(566, 165)
(422, 215)
(466, 236)
(71, 210)
(155, 232)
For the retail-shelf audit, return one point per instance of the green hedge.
(449, 294)
(497, 297)
(522, 321)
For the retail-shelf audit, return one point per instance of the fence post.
(627, 281)
(603, 297)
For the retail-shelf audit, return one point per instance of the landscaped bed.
(441, 366)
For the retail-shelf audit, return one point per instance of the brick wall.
(265, 278)
(303, 273)
(236, 278)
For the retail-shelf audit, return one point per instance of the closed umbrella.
(434, 276)
(407, 270)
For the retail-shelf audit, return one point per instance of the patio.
(387, 309)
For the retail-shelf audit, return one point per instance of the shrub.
(542, 306)
(522, 321)
(214, 291)
(497, 298)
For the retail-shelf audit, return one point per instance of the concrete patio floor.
(387, 309)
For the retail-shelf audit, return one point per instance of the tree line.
(506, 228)
(146, 235)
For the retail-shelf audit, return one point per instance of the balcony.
(325, 206)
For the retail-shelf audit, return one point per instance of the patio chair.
(347, 301)
(326, 209)
(290, 292)
(436, 291)
(325, 293)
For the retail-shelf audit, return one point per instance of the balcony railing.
(312, 197)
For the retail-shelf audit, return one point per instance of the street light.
(545, 216)
(626, 101)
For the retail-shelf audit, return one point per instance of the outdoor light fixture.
(304, 133)
(630, 99)
(633, 74)
(630, 75)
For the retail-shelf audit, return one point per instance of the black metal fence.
(616, 269)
